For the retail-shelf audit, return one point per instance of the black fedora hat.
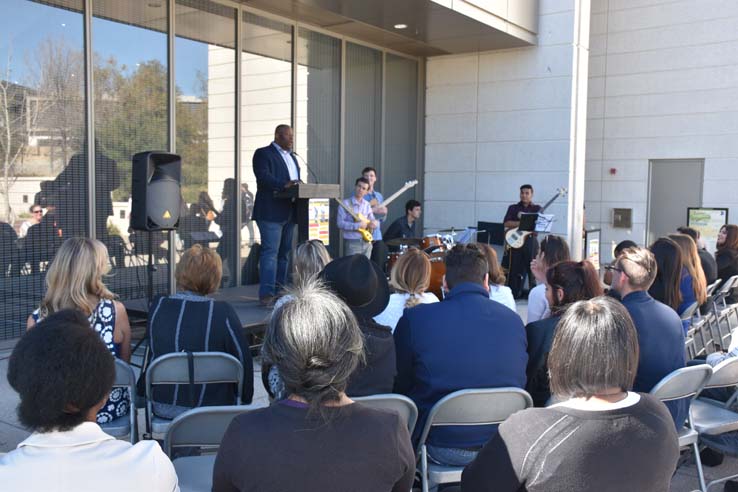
(359, 282)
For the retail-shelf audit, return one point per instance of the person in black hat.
(360, 283)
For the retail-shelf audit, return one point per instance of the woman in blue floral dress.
(74, 280)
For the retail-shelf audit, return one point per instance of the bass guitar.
(515, 238)
(366, 235)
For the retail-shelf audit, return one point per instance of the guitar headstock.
(562, 191)
(411, 183)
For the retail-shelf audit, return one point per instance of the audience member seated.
(466, 341)
(692, 272)
(553, 250)
(622, 245)
(602, 436)
(63, 373)
(364, 288)
(673, 283)
(189, 321)
(727, 256)
(75, 281)
(566, 282)
(498, 291)
(660, 333)
(410, 278)
(318, 438)
(308, 261)
(709, 265)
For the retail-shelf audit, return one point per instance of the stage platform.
(243, 299)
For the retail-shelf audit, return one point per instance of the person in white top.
(553, 250)
(410, 278)
(37, 214)
(63, 373)
(498, 291)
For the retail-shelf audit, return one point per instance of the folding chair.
(126, 425)
(712, 417)
(466, 407)
(202, 427)
(397, 403)
(686, 382)
(209, 368)
(722, 310)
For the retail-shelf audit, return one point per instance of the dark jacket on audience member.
(709, 265)
(540, 336)
(189, 322)
(562, 449)
(378, 375)
(727, 265)
(466, 341)
(661, 341)
(337, 449)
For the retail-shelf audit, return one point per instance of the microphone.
(310, 170)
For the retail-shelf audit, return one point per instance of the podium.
(301, 194)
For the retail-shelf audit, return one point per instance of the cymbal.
(404, 241)
(452, 231)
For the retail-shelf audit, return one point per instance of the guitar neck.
(347, 209)
(553, 199)
(399, 192)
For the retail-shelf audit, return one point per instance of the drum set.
(435, 246)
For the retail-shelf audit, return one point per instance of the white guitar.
(405, 187)
(515, 238)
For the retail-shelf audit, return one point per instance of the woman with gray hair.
(602, 435)
(317, 438)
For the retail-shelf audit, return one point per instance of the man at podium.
(276, 169)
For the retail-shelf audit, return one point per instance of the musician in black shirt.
(517, 261)
(405, 226)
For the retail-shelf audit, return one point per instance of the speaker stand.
(151, 268)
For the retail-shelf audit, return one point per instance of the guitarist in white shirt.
(518, 260)
(353, 242)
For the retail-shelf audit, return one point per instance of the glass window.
(205, 77)
(318, 105)
(400, 131)
(363, 113)
(42, 148)
(130, 73)
(266, 96)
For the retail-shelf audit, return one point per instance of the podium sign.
(311, 217)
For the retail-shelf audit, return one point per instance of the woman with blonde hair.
(74, 280)
(694, 274)
(309, 260)
(410, 278)
(498, 291)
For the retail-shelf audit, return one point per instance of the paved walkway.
(11, 432)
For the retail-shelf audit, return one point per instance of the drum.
(431, 242)
(392, 259)
(438, 270)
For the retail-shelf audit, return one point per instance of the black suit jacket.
(271, 176)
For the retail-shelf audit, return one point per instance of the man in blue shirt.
(660, 333)
(466, 341)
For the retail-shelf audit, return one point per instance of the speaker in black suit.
(155, 189)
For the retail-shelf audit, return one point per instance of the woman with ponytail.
(317, 438)
(566, 283)
(410, 278)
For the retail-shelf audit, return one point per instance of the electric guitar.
(366, 235)
(387, 201)
(515, 238)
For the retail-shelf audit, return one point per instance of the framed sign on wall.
(708, 222)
